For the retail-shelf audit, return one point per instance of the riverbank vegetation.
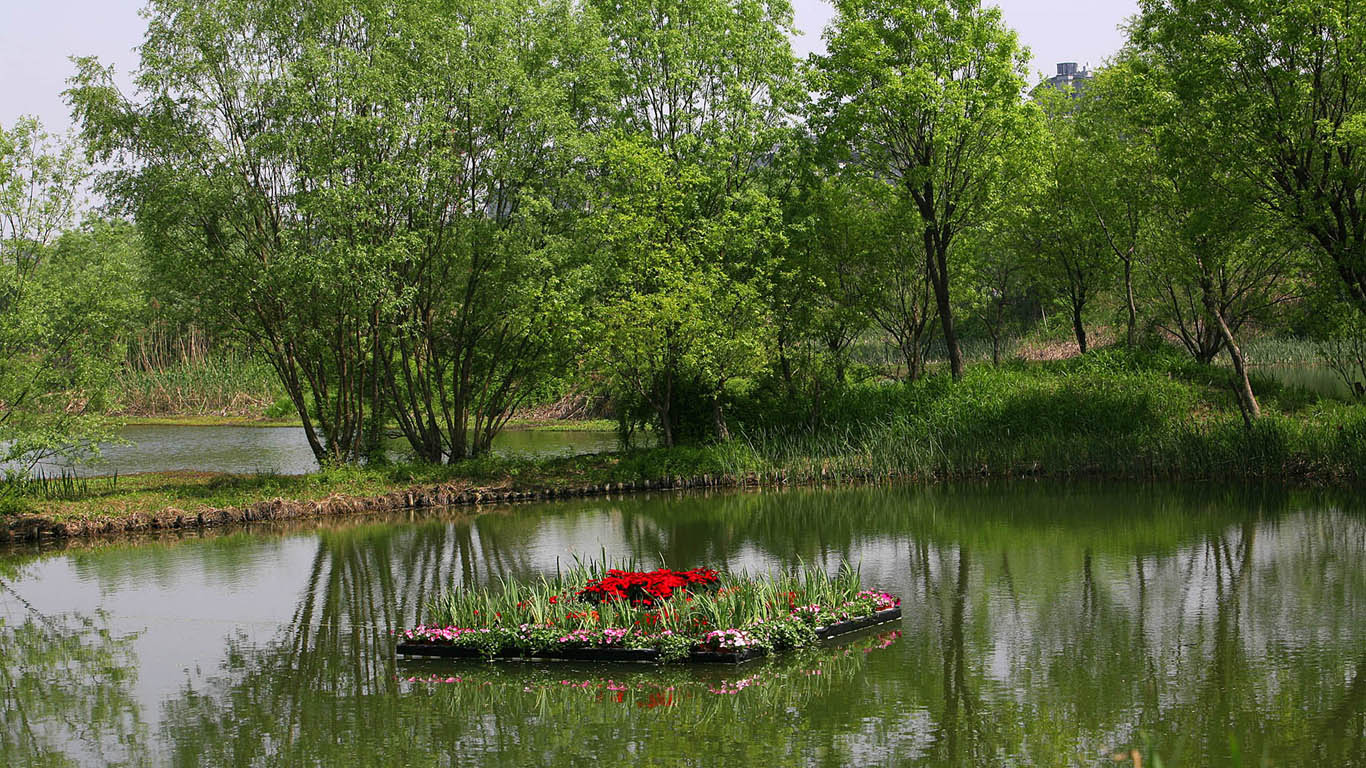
(224, 385)
(899, 257)
(1115, 413)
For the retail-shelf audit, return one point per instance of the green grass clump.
(1114, 412)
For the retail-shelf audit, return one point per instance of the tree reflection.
(1039, 630)
(959, 736)
(66, 689)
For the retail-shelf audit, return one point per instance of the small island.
(599, 613)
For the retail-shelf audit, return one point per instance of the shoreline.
(527, 424)
(466, 492)
(1117, 415)
(38, 527)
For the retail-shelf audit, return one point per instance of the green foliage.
(1059, 224)
(12, 501)
(928, 94)
(63, 302)
(685, 225)
(854, 260)
(1271, 92)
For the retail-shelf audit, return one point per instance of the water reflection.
(66, 690)
(1320, 380)
(1043, 626)
(282, 450)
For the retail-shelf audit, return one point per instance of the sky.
(38, 36)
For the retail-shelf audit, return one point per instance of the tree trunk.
(940, 280)
(1247, 401)
(950, 334)
(1079, 329)
(666, 429)
(283, 361)
(910, 355)
(784, 364)
(1241, 382)
(719, 419)
(1129, 296)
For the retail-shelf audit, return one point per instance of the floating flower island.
(617, 614)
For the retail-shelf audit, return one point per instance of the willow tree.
(241, 156)
(928, 93)
(363, 190)
(484, 192)
(703, 92)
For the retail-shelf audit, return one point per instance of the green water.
(1318, 379)
(1044, 625)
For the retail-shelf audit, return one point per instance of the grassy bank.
(1113, 413)
(1110, 413)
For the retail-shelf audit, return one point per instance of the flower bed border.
(637, 655)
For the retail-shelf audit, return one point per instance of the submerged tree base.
(636, 655)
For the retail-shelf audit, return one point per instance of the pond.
(284, 450)
(1045, 624)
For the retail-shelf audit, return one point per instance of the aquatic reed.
(226, 385)
(64, 485)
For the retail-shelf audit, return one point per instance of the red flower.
(644, 588)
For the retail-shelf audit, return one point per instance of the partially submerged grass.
(1281, 350)
(65, 485)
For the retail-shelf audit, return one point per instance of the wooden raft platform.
(637, 655)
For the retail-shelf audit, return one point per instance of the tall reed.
(226, 385)
(64, 485)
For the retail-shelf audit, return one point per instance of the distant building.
(1070, 78)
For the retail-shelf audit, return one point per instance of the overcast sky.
(37, 36)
